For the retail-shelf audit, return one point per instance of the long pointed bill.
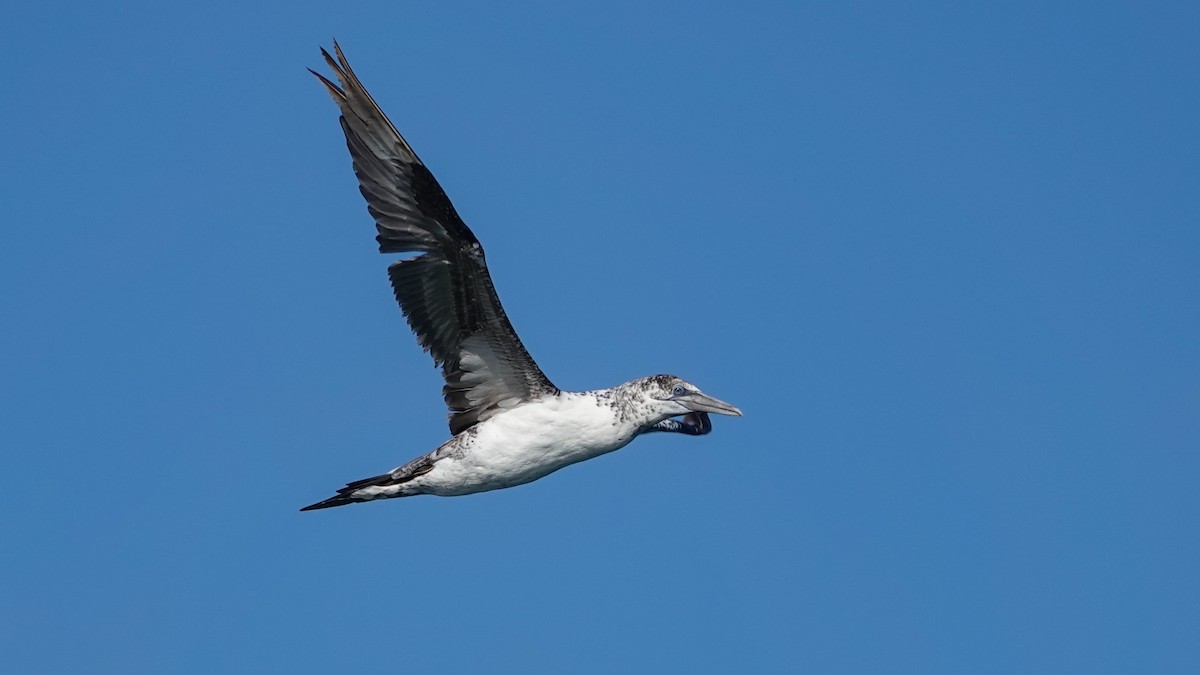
(705, 403)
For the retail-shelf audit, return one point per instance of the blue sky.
(944, 256)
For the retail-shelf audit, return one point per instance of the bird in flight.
(509, 424)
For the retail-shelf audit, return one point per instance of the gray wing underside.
(446, 293)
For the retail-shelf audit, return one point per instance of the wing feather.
(446, 292)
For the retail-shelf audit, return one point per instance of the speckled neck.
(635, 402)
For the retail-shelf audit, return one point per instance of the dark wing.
(446, 292)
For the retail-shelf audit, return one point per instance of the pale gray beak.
(705, 403)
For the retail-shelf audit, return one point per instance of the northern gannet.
(510, 425)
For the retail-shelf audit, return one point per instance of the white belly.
(528, 442)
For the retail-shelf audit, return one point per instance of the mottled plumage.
(510, 425)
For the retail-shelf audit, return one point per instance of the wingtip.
(337, 49)
(332, 62)
(335, 91)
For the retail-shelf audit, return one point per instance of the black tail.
(344, 497)
(332, 501)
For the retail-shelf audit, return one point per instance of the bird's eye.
(678, 390)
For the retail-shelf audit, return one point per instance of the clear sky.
(945, 256)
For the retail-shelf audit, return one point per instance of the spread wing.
(445, 292)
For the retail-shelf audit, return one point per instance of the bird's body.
(531, 441)
(523, 444)
(510, 425)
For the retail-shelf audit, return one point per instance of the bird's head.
(673, 404)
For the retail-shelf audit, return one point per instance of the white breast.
(530, 441)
